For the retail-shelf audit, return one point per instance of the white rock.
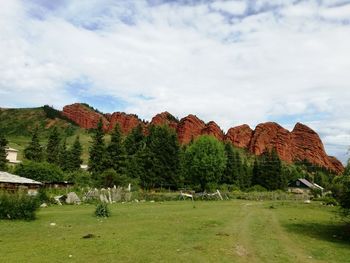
(72, 198)
(52, 224)
(43, 205)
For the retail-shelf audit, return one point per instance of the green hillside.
(18, 124)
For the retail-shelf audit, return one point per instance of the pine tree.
(267, 172)
(63, 156)
(162, 157)
(116, 151)
(34, 151)
(229, 173)
(53, 147)
(247, 176)
(134, 141)
(257, 173)
(239, 173)
(97, 151)
(3, 160)
(74, 155)
(136, 153)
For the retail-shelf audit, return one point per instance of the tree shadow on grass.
(337, 233)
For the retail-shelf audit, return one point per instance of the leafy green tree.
(40, 171)
(97, 160)
(34, 151)
(162, 158)
(347, 169)
(53, 147)
(205, 162)
(3, 160)
(116, 151)
(110, 177)
(343, 197)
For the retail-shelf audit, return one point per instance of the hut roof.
(9, 149)
(15, 179)
(307, 183)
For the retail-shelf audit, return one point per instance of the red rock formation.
(270, 135)
(337, 165)
(189, 128)
(84, 116)
(307, 145)
(240, 136)
(126, 121)
(165, 118)
(301, 144)
(211, 128)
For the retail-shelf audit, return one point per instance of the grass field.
(227, 231)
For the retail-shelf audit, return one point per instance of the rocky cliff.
(302, 143)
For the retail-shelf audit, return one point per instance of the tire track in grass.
(301, 254)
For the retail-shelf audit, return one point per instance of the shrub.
(79, 178)
(102, 210)
(257, 188)
(329, 201)
(18, 206)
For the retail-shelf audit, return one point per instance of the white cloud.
(289, 60)
(235, 7)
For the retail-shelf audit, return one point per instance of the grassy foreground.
(227, 231)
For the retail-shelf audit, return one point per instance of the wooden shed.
(302, 185)
(11, 182)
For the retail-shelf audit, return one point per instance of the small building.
(13, 183)
(301, 186)
(11, 155)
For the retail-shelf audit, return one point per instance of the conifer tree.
(267, 172)
(97, 151)
(257, 173)
(3, 160)
(75, 155)
(116, 152)
(136, 153)
(229, 173)
(134, 141)
(162, 157)
(34, 151)
(63, 156)
(53, 147)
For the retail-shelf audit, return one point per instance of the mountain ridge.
(302, 143)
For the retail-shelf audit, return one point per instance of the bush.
(79, 178)
(102, 210)
(18, 206)
(110, 178)
(257, 188)
(327, 200)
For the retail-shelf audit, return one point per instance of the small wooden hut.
(13, 183)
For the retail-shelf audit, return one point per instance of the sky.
(233, 62)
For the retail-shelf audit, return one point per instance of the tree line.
(155, 159)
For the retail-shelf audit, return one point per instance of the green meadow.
(211, 231)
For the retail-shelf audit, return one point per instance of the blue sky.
(230, 61)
